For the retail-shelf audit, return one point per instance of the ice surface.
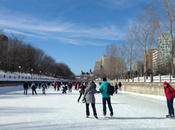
(57, 111)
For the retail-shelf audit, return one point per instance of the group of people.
(33, 86)
(88, 90)
(57, 85)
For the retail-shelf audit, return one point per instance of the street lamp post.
(31, 73)
(19, 71)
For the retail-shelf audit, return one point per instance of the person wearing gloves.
(89, 98)
(169, 91)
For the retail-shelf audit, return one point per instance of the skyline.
(73, 32)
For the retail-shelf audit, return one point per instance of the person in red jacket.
(169, 95)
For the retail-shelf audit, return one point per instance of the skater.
(33, 89)
(89, 98)
(169, 95)
(106, 97)
(58, 87)
(64, 89)
(54, 84)
(116, 88)
(82, 89)
(70, 86)
(44, 87)
(39, 85)
(75, 85)
(25, 87)
(120, 85)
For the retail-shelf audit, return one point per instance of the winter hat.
(92, 81)
(165, 83)
(104, 79)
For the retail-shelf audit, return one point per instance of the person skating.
(33, 89)
(120, 85)
(44, 87)
(25, 87)
(70, 86)
(64, 89)
(82, 89)
(116, 88)
(169, 96)
(58, 87)
(89, 98)
(54, 84)
(105, 97)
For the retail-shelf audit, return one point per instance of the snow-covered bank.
(57, 111)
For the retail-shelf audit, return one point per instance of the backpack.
(110, 89)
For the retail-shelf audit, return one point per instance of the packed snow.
(57, 111)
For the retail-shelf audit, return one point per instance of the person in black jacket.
(120, 85)
(33, 89)
(25, 87)
(82, 86)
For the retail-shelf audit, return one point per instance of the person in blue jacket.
(106, 97)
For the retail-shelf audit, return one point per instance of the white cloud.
(57, 30)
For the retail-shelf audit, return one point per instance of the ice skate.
(168, 115)
(96, 116)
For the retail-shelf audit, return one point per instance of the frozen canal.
(57, 111)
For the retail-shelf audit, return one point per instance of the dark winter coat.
(120, 84)
(25, 85)
(89, 94)
(33, 87)
(82, 87)
(116, 86)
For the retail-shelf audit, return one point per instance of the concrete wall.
(144, 88)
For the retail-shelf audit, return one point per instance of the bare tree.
(122, 55)
(164, 17)
(145, 34)
(130, 40)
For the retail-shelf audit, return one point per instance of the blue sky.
(74, 32)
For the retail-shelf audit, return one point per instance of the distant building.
(161, 57)
(148, 58)
(164, 45)
(101, 64)
(87, 73)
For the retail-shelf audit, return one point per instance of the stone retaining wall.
(144, 88)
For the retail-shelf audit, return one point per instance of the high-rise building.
(148, 58)
(161, 57)
(164, 45)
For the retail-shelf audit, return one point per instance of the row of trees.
(158, 18)
(25, 57)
